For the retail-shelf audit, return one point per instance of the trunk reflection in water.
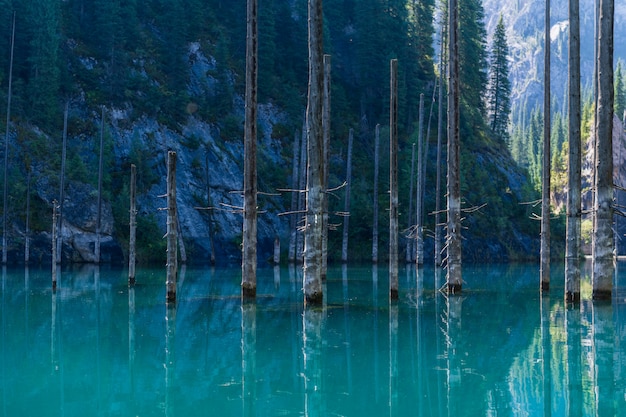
(97, 347)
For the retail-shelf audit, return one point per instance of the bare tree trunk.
(172, 250)
(438, 180)
(99, 219)
(54, 244)
(293, 218)
(302, 195)
(181, 242)
(409, 240)
(603, 259)
(393, 182)
(132, 240)
(545, 175)
(59, 241)
(6, 149)
(375, 210)
(209, 215)
(453, 239)
(325, 166)
(312, 281)
(419, 241)
(249, 262)
(346, 206)
(27, 231)
(276, 258)
(572, 240)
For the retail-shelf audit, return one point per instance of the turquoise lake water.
(97, 348)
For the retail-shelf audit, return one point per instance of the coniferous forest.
(134, 63)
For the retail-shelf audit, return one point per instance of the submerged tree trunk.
(6, 149)
(59, 241)
(132, 240)
(302, 195)
(409, 240)
(545, 175)
(181, 242)
(276, 257)
(99, 218)
(453, 238)
(603, 259)
(54, 244)
(572, 240)
(346, 219)
(209, 215)
(438, 225)
(27, 229)
(293, 218)
(393, 182)
(419, 242)
(249, 259)
(325, 165)
(172, 239)
(312, 280)
(375, 209)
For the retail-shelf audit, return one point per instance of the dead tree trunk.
(59, 241)
(409, 240)
(439, 145)
(603, 259)
(375, 209)
(326, 167)
(6, 149)
(419, 242)
(545, 175)
(346, 205)
(132, 240)
(54, 244)
(312, 281)
(249, 262)
(99, 219)
(302, 195)
(393, 182)
(453, 239)
(293, 218)
(27, 229)
(181, 243)
(276, 258)
(208, 204)
(172, 239)
(572, 241)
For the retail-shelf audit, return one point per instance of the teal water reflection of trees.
(500, 349)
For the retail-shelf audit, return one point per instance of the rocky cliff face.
(208, 165)
(525, 27)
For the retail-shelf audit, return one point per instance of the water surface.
(94, 347)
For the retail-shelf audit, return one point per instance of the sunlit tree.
(499, 93)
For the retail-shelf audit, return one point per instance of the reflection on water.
(96, 347)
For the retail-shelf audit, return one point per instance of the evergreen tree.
(499, 93)
(44, 66)
(473, 63)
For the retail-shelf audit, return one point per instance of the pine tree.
(44, 66)
(472, 61)
(499, 93)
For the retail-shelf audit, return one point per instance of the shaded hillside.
(171, 78)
